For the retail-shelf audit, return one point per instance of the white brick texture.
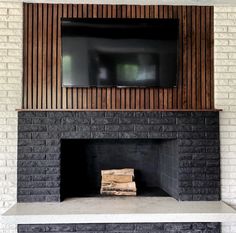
(10, 98)
(225, 98)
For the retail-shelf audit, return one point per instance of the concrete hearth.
(120, 210)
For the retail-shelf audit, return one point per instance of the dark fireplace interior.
(155, 162)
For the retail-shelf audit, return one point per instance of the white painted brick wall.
(10, 99)
(225, 98)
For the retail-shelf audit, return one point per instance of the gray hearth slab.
(119, 210)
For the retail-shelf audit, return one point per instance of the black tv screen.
(119, 52)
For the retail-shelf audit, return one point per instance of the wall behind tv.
(42, 60)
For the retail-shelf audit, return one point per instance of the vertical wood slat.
(193, 68)
(108, 14)
(104, 98)
(175, 96)
(189, 58)
(156, 90)
(54, 57)
(185, 59)
(113, 103)
(116, 91)
(74, 89)
(64, 90)
(198, 56)
(79, 90)
(69, 96)
(99, 90)
(122, 98)
(49, 57)
(94, 90)
(94, 97)
(112, 14)
(99, 98)
(85, 90)
(89, 98)
(170, 90)
(59, 89)
(132, 15)
(118, 99)
(84, 96)
(147, 90)
(161, 90)
(106, 92)
(34, 56)
(137, 97)
(140, 14)
(25, 57)
(39, 55)
(29, 55)
(151, 93)
(132, 98)
(180, 81)
(165, 90)
(203, 56)
(211, 31)
(44, 68)
(208, 58)
(42, 60)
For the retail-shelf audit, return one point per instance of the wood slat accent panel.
(42, 60)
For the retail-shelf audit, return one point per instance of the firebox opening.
(155, 162)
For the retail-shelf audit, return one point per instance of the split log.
(106, 179)
(127, 187)
(118, 193)
(119, 172)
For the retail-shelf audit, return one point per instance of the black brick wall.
(39, 135)
(124, 228)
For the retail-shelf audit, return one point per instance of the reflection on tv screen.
(124, 53)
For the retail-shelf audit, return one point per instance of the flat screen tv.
(120, 52)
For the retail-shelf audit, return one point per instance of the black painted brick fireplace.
(39, 147)
(124, 228)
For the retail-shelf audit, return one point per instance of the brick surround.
(40, 134)
(123, 228)
(11, 77)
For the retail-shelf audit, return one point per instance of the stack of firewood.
(118, 182)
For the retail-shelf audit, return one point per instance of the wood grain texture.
(42, 60)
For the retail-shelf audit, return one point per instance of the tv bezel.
(113, 21)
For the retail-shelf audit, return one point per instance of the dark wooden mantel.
(119, 110)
